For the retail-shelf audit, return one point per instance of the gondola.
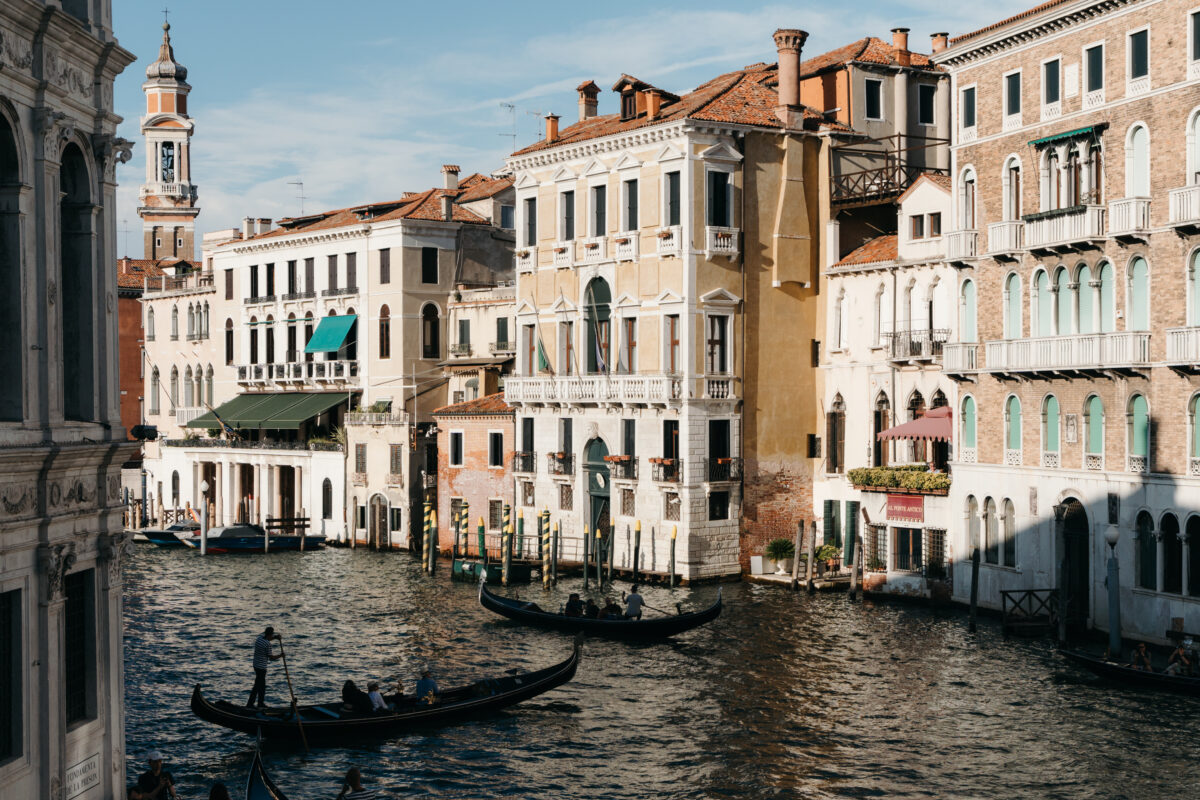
(1138, 678)
(652, 628)
(326, 723)
(259, 785)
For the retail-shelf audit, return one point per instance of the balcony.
(1129, 218)
(343, 292)
(524, 462)
(1095, 353)
(180, 284)
(195, 337)
(560, 463)
(670, 241)
(718, 388)
(504, 347)
(564, 255)
(377, 418)
(460, 349)
(962, 247)
(622, 468)
(666, 470)
(262, 298)
(593, 250)
(525, 259)
(723, 469)
(299, 296)
(167, 189)
(1006, 239)
(720, 241)
(625, 246)
(184, 414)
(1185, 207)
(912, 346)
(332, 371)
(1183, 348)
(251, 374)
(1065, 228)
(616, 389)
(960, 358)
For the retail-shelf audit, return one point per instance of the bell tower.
(168, 197)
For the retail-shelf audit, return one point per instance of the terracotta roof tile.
(482, 189)
(1014, 18)
(870, 50)
(132, 271)
(488, 405)
(881, 248)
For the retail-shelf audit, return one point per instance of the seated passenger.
(426, 688)
(591, 610)
(574, 607)
(611, 610)
(1178, 663)
(378, 704)
(395, 698)
(1141, 658)
(355, 699)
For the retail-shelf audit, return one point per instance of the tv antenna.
(512, 109)
(299, 184)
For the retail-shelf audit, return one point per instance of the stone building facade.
(61, 538)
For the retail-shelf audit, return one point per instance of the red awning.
(936, 425)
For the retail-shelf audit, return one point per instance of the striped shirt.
(262, 652)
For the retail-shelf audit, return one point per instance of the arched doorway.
(377, 522)
(1076, 567)
(598, 487)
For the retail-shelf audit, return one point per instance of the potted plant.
(829, 554)
(781, 552)
(522, 254)
(560, 249)
(875, 564)
(666, 234)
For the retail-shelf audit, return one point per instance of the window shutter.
(841, 441)
(851, 531)
(828, 521)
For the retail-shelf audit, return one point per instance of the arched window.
(1012, 307)
(1050, 427)
(385, 333)
(597, 301)
(835, 436)
(1012, 424)
(228, 342)
(1065, 302)
(1192, 531)
(175, 489)
(254, 340)
(1168, 528)
(204, 321)
(1147, 548)
(1051, 181)
(291, 354)
(174, 322)
(1095, 167)
(198, 394)
(191, 321)
(154, 390)
(1139, 295)
(1043, 305)
(351, 344)
(150, 325)
(973, 522)
(1138, 443)
(1084, 300)
(12, 311)
(308, 332)
(327, 499)
(1137, 162)
(1107, 299)
(966, 200)
(270, 334)
(1193, 148)
(1011, 180)
(1093, 421)
(79, 313)
(968, 422)
(877, 316)
(430, 327)
(208, 385)
(188, 387)
(916, 410)
(991, 533)
(882, 421)
(1194, 436)
(1008, 556)
(967, 329)
(1193, 289)
(174, 395)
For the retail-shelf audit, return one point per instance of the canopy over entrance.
(937, 424)
(330, 334)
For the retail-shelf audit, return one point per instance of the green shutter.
(828, 521)
(851, 531)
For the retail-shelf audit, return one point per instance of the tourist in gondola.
(611, 610)
(155, 783)
(633, 604)
(353, 789)
(427, 688)
(378, 704)
(1179, 663)
(1141, 658)
(263, 655)
(219, 791)
(591, 610)
(574, 606)
(355, 699)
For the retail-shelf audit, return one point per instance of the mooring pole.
(612, 546)
(433, 541)
(637, 548)
(545, 548)
(796, 546)
(555, 544)
(856, 555)
(1114, 598)
(586, 550)
(974, 589)
(599, 557)
(674, 533)
(520, 546)
(808, 562)
(505, 555)
(482, 543)
(425, 537)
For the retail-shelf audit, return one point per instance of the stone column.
(110, 630)
(1187, 555)
(1158, 560)
(1063, 175)
(54, 562)
(218, 492)
(1055, 323)
(1085, 177)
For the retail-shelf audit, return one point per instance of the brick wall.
(129, 343)
(475, 481)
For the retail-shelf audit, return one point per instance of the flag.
(543, 363)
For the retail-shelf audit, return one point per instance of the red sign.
(906, 507)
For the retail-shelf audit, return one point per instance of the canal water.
(784, 695)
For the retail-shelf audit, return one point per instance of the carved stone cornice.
(15, 52)
(60, 71)
(111, 150)
(55, 129)
(978, 47)
(55, 562)
(113, 548)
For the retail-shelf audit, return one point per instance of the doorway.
(1077, 564)
(599, 488)
(377, 523)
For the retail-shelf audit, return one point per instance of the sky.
(365, 100)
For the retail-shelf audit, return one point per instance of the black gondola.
(1139, 678)
(259, 785)
(327, 722)
(640, 629)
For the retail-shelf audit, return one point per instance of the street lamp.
(1113, 581)
(204, 518)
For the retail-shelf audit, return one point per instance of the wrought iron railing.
(666, 470)
(560, 463)
(724, 469)
(523, 462)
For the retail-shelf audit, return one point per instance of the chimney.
(449, 176)
(789, 42)
(653, 103)
(448, 207)
(247, 227)
(588, 92)
(900, 38)
(939, 42)
(262, 225)
(551, 128)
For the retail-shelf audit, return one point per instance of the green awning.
(259, 416)
(231, 412)
(330, 334)
(282, 411)
(304, 409)
(1075, 134)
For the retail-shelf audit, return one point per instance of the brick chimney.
(262, 225)
(900, 42)
(653, 103)
(939, 42)
(789, 42)
(450, 176)
(247, 227)
(588, 103)
(448, 207)
(551, 128)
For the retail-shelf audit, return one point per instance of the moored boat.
(259, 785)
(325, 723)
(172, 535)
(470, 569)
(1130, 676)
(247, 538)
(642, 629)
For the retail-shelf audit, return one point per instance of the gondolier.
(263, 655)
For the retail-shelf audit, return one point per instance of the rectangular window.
(968, 107)
(628, 345)
(527, 495)
(717, 345)
(360, 458)
(527, 434)
(873, 91)
(671, 438)
(917, 223)
(1195, 23)
(672, 337)
(567, 332)
(718, 199)
(935, 224)
(429, 265)
(1094, 64)
(565, 435)
(495, 514)
(396, 518)
(507, 218)
(456, 448)
(385, 265)
(674, 212)
(599, 210)
(11, 694)
(254, 280)
(529, 342)
(79, 657)
(630, 221)
(629, 437)
(530, 222)
(567, 211)
(464, 332)
(228, 284)
(814, 446)
(718, 505)
(361, 517)
(310, 274)
(1012, 94)
(925, 100)
(495, 449)
(333, 276)
(396, 459)
(1139, 54)
(628, 503)
(566, 497)
(1051, 83)
(352, 270)
(291, 277)
(269, 270)
(501, 332)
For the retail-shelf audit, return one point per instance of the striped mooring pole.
(545, 531)
(506, 522)
(433, 544)
(505, 553)
(425, 538)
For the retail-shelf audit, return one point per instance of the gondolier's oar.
(295, 709)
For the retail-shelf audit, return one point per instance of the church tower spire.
(168, 197)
